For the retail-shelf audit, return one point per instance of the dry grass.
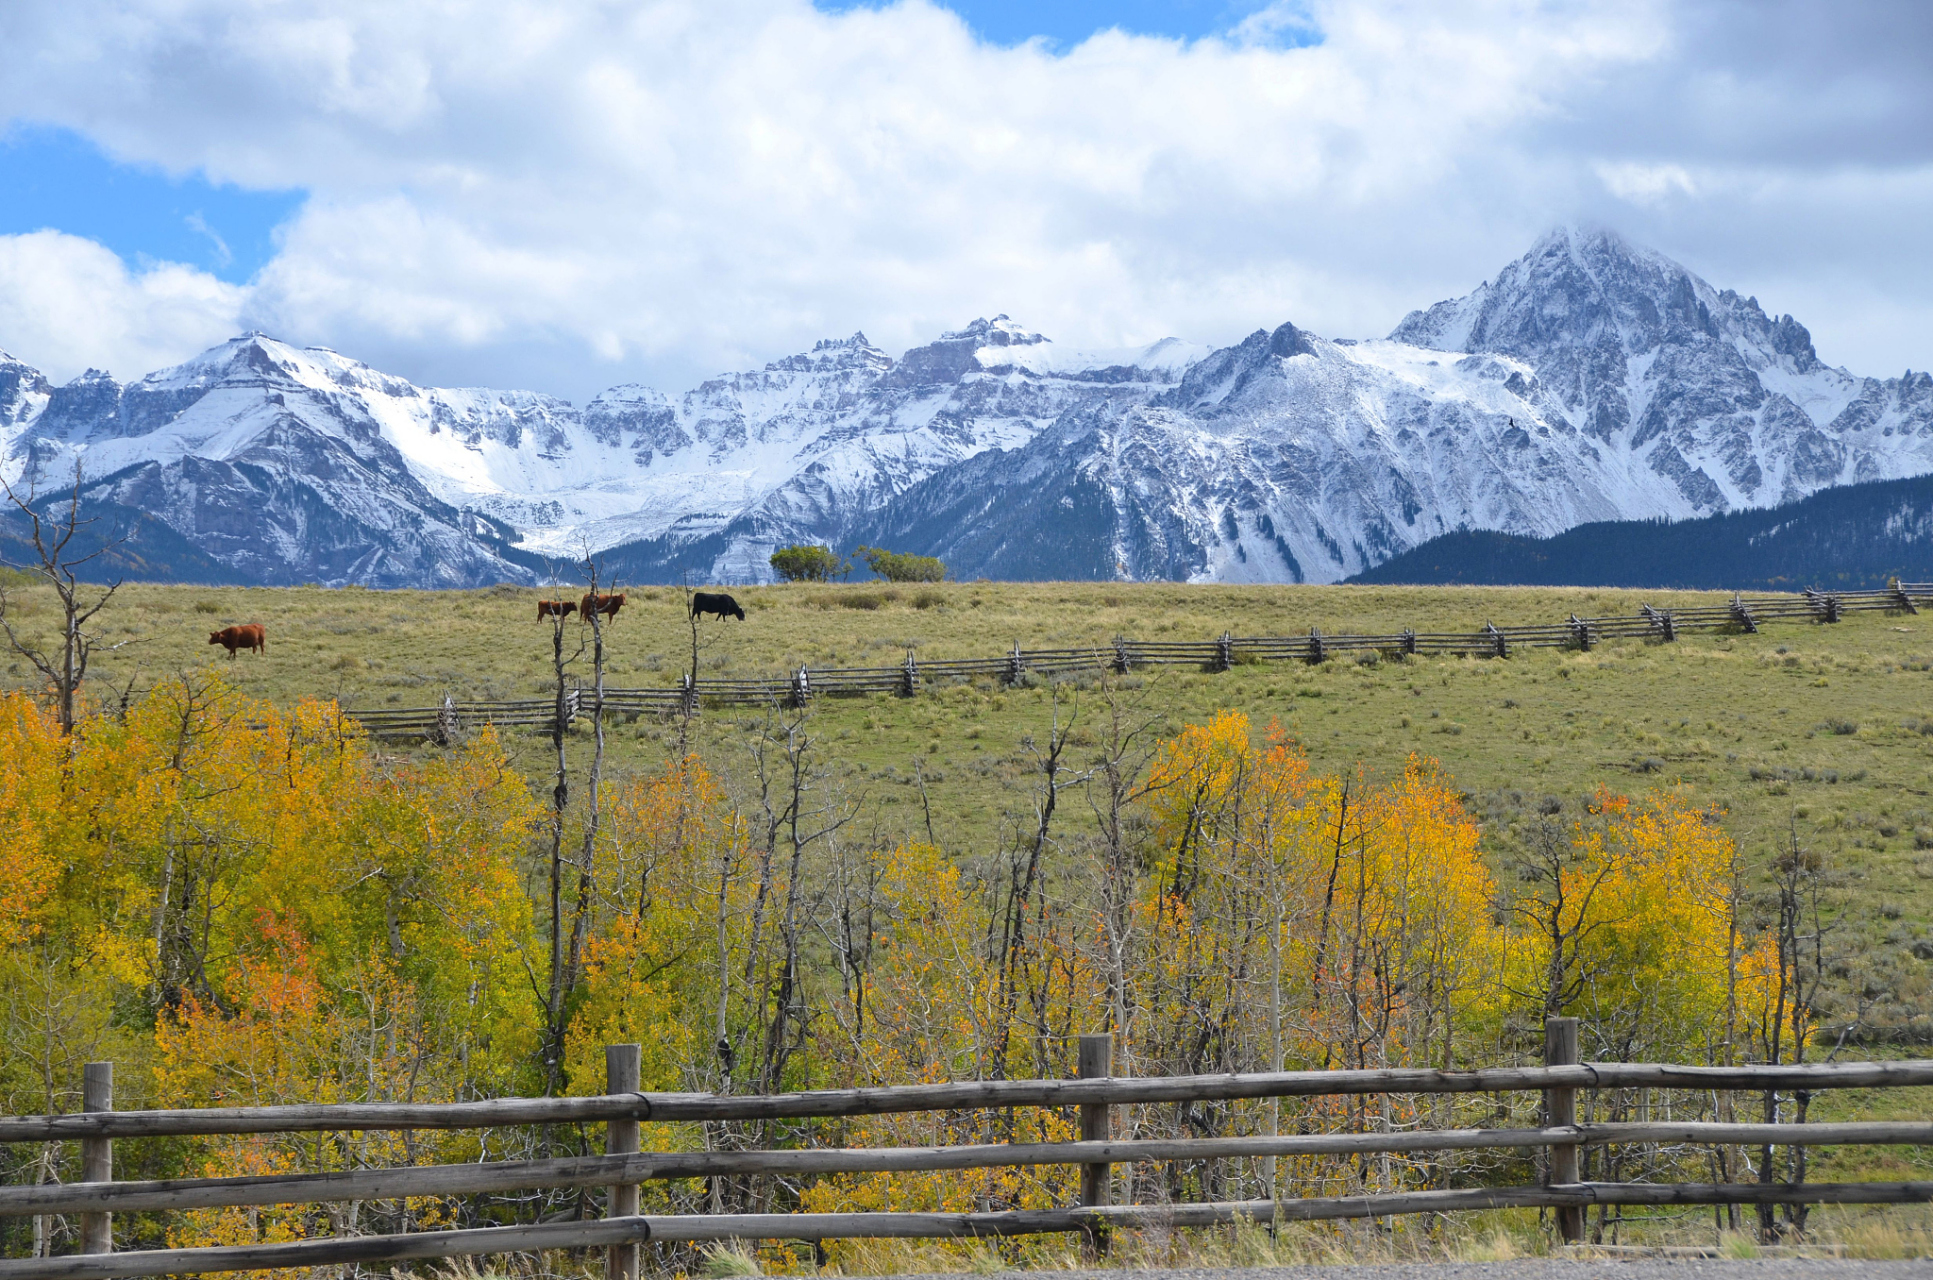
(1825, 730)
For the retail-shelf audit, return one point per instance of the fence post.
(1580, 633)
(1560, 1111)
(1097, 1125)
(97, 1155)
(1016, 664)
(1123, 662)
(1900, 599)
(1742, 616)
(448, 725)
(621, 1138)
(909, 677)
(1315, 646)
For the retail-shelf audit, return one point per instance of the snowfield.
(1590, 380)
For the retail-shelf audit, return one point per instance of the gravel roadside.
(1538, 1269)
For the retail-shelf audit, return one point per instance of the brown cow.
(555, 609)
(252, 636)
(606, 605)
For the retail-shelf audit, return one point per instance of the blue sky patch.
(1068, 22)
(55, 178)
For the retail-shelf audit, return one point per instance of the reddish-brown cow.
(606, 605)
(555, 609)
(252, 636)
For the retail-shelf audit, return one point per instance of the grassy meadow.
(1825, 731)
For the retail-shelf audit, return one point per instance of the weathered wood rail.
(1093, 1092)
(1744, 614)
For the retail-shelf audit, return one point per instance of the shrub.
(804, 563)
(899, 566)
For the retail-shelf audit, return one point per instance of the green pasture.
(1825, 731)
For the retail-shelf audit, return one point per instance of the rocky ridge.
(1590, 380)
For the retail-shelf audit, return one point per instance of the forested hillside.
(1846, 538)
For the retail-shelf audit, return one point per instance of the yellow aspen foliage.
(1327, 921)
(926, 1009)
(1626, 921)
(669, 945)
(250, 905)
(296, 918)
(31, 757)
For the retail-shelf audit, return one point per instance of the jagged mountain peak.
(1233, 376)
(1589, 379)
(956, 352)
(856, 353)
(24, 391)
(1001, 331)
(1575, 288)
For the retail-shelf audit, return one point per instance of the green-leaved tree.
(898, 566)
(803, 563)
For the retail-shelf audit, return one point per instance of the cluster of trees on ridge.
(805, 562)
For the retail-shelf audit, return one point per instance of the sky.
(564, 195)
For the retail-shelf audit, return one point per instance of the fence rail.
(447, 720)
(1094, 1092)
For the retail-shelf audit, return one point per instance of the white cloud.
(67, 304)
(1646, 184)
(566, 194)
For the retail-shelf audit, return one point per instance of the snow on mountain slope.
(1693, 384)
(23, 393)
(313, 453)
(1285, 458)
(1590, 380)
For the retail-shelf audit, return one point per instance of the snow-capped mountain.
(1590, 380)
(302, 465)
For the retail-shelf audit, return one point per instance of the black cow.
(716, 602)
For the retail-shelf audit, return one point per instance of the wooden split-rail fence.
(1094, 1092)
(446, 721)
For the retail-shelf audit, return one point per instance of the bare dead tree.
(688, 705)
(593, 798)
(1118, 782)
(1023, 874)
(57, 561)
(557, 987)
(1808, 921)
(799, 808)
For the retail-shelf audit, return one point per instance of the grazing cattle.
(555, 609)
(606, 605)
(251, 636)
(716, 602)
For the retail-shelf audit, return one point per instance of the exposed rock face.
(281, 464)
(1591, 380)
